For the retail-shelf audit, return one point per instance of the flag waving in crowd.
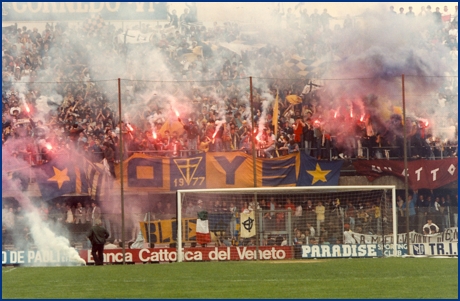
(56, 178)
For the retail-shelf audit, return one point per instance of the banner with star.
(56, 177)
(225, 170)
(318, 173)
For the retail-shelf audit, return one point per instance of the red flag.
(429, 174)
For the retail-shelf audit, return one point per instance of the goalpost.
(272, 218)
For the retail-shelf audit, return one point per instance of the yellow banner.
(210, 170)
(164, 231)
(230, 170)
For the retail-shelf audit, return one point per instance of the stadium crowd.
(50, 70)
(55, 100)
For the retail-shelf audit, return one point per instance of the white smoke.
(45, 239)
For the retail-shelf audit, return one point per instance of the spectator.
(435, 211)
(80, 218)
(160, 210)
(446, 16)
(190, 210)
(88, 215)
(298, 129)
(410, 13)
(453, 203)
(97, 236)
(311, 230)
(96, 213)
(422, 11)
(308, 135)
(69, 216)
(270, 144)
(350, 214)
(433, 228)
(299, 238)
(109, 157)
(423, 209)
(437, 17)
(347, 235)
(293, 147)
(56, 213)
(325, 17)
(310, 214)
(444, 211)
(174, 19)
(192, 135)
(320, 211)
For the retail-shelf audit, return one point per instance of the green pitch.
(425, 278)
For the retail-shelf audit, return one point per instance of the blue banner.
(56, 178)
(145, 172)
(188, 172)
(226, 170)
(318, 173)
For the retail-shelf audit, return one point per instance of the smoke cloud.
(359, 69)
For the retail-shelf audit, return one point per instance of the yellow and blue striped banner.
(225, 170)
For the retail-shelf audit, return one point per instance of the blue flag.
(96, 180)
(56, 178)
(318, 173)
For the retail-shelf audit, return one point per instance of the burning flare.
(27, 107)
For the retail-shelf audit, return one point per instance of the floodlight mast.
(406, 179)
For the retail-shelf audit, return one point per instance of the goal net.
(356, 219)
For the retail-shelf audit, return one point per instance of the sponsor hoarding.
(34, 257)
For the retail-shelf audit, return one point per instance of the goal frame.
(180, 193)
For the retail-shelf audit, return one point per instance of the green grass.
(414, 278)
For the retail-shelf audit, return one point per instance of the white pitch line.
(10, 270)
